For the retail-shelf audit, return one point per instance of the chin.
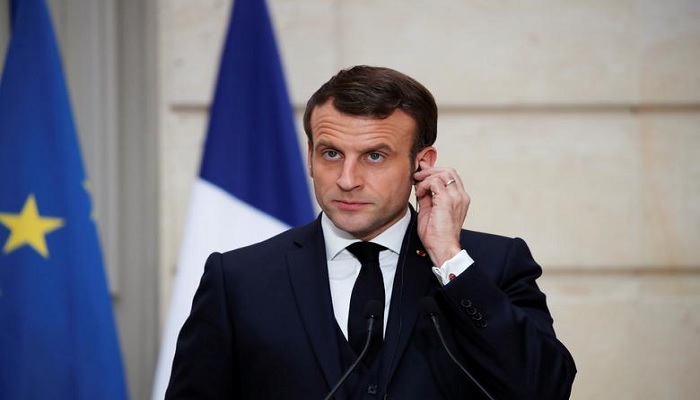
(351, 225)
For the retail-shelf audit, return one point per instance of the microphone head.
(374, 309)
(429, 306)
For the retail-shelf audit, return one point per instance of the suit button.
(481, 323)
(372, 389)
(466, 303)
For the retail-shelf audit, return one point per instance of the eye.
(375, 157)
(331, 155)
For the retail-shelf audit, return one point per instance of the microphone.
(373, 311)
(430, 307)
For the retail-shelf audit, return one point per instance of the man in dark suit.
(285, 318)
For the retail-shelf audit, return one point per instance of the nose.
(350, 176)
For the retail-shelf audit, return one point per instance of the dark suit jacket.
(262, 327)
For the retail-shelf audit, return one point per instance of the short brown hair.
(377, 92)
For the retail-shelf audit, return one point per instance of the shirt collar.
(337, 239)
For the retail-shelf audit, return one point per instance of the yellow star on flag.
(29, 228)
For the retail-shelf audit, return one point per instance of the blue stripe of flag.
(251, 149)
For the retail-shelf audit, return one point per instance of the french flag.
(252, 183)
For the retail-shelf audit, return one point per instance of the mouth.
(348, 205)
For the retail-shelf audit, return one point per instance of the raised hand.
(442, 209)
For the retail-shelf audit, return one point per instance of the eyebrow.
(379, 147)
(370, 149)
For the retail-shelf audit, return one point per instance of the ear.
(427, 155)
(309, 158)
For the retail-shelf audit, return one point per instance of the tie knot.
(366, 251)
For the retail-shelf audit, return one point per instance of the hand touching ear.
(442, 209)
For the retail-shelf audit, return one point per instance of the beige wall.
(575, 125)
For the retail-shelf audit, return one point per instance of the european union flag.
(57, 334)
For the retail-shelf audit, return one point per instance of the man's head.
(377, 92)
(367, 130)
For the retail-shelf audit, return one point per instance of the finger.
(424, 170)
(448, 176)
(425, 202)
(448, 179)
(425, 188)
(431, 183)
(452, 178)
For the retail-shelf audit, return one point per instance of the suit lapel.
(414, 278)
(308, 274)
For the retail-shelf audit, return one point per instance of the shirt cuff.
(453, 267)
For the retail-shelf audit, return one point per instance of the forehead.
(327, 121)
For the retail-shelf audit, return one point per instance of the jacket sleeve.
(500, 324)
(203, 366)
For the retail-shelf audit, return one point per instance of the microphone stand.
(372, 311)
(431, 307)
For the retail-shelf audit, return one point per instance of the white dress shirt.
(343, 267)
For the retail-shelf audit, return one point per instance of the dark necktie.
(368, 286)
